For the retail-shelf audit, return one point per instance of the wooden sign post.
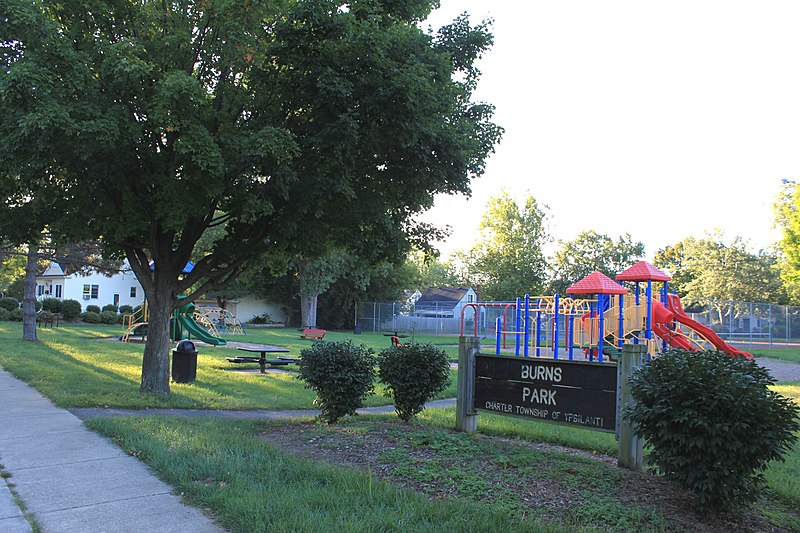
(631, 447)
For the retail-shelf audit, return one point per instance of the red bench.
(313, 333)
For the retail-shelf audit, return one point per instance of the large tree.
(711, 268)
(507, 259)
(787, 218)
(591, 251)
(288, 121)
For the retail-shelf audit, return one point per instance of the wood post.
(466, 417)
(630, 446)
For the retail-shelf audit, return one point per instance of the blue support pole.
(538, 326)
(570, 335)
(555, 328)
(497, 329)
(527, 325)
(648, 333)
(621, 321)
(516, 329)
(636, 299)
(665, 301)
(601, 301)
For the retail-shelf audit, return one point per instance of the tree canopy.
(712, 268)
(293, 123)
(507, 258)
(591, 251)
(787, 218)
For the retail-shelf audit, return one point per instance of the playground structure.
(608, 317)
(187, 321)
(221, 320)
(135, 324)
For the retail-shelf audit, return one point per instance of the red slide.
(676, 309)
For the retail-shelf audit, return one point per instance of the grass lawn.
(81, 366)
(790, 355)
(250, 485)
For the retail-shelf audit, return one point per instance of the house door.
(116, 300)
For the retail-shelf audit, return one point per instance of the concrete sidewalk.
(73, 480)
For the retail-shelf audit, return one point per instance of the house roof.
(442, 294)
(597, 283)
(53, 270)
(643, 271)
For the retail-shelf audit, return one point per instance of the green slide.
(185, 321)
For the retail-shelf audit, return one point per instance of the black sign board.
(567, 392)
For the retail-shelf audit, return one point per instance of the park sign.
(574, 393)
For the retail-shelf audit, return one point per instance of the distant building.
(123, 288)
(92, 288)
(444, 302)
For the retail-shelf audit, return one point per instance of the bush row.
(343, 374)
(10, 309)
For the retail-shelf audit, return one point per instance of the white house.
(94, 288)
(122, 288)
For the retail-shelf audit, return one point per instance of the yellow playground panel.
(217, 319)
(138, 319)
(633, 327)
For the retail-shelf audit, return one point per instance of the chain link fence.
(741, 323)
(437, 318)
(749, 323)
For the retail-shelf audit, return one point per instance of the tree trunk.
(29, 294)
(308, 309)
(156, 361)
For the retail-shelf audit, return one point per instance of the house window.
(39, 290)
(90, 291)
(133, 292)
(59, 292)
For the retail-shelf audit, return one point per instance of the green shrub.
(16, 315)
(90, 317)
(93, 309)
(413, 374)
(713, 423)
(110, 307)
(9, 304)
(262, 319)
(109, 317)
(126, 309)
(341, 374)
(70, 309)
(52, 305)
(5, 314)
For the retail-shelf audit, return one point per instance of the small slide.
(186, 321)
(662, 319)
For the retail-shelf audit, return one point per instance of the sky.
(659, 119)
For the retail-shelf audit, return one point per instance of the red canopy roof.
(643, 271)
(597, 283)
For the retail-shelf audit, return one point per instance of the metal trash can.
(184, 362)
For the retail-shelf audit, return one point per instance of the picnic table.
(262, 358)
